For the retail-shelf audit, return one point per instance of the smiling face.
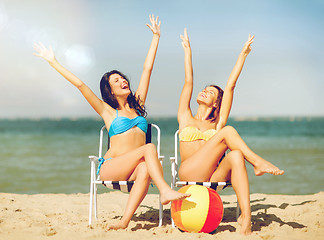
(208, 96)
(119, 85)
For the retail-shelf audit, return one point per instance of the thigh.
(223, 171)
(201, 165)
(122, 167)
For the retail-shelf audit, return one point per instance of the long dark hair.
(110, 99)
(213, 116)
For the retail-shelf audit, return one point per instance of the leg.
(233, 140)
(136, 195)
(111, 170)
(233, 168)
(210, 153)
(202, 164)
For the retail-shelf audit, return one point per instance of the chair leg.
(91, 203)
(238, 210)
(92, 186)
(95, 200)
(160, 213)
(172, 223)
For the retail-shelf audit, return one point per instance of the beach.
(65, 216)
(44, 182)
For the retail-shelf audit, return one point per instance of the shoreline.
(65, 216)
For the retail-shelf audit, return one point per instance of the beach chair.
(175, 182)
(124, 186)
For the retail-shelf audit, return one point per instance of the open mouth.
(124, 86)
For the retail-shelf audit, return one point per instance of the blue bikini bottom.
(101, 161)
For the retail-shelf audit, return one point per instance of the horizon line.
(235, 118)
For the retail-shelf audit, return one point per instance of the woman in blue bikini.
(123, 113)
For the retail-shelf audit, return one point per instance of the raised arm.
(185, 97)
(229, 89)
(143, 86)
(48, 54)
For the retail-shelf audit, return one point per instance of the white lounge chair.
(124, 186)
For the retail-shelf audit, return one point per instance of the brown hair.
(110, 99)
(213, 116)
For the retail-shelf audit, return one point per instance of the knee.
(150, 147)
(236, 157)
(229, 129)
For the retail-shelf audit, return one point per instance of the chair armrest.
(161, 158)
(174, 167)
(93, 158)
(173, 172)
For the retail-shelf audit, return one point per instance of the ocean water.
(51, 155)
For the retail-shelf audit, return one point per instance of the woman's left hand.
(155, 25)
(247, 46)
(185, 40)
(43, 52)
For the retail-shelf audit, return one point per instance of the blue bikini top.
(122, 124)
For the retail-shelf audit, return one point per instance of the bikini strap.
(116, 112)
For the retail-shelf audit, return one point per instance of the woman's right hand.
(43, 52)
(155, 25)
(247, 46)
(185, 39)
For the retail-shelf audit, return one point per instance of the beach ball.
(201, 212)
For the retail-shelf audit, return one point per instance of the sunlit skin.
(199, 158)
(132, 159)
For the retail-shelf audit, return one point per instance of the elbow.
(230, 88)
(147, 68)
(80, 86)
(188, 82)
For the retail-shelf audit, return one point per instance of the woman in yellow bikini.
(204, 138)
(128, 158)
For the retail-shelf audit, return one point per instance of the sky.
(282, 76)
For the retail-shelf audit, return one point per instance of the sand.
(61, 216)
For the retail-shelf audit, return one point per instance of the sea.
(51, 155)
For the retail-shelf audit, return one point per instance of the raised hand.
(185, 39)
(247, 46)
(155, 25)
(43, 52)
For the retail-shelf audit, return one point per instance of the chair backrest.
(176, 141)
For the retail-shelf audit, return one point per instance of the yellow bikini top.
(189, 134)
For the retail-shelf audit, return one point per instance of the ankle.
(123, 223)
(245, 216)
(165, 189)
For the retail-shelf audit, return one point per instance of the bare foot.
(170, 195)
(267, 167)
(117, 226)
(245, 223)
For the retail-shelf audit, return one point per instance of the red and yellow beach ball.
(201, 212)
